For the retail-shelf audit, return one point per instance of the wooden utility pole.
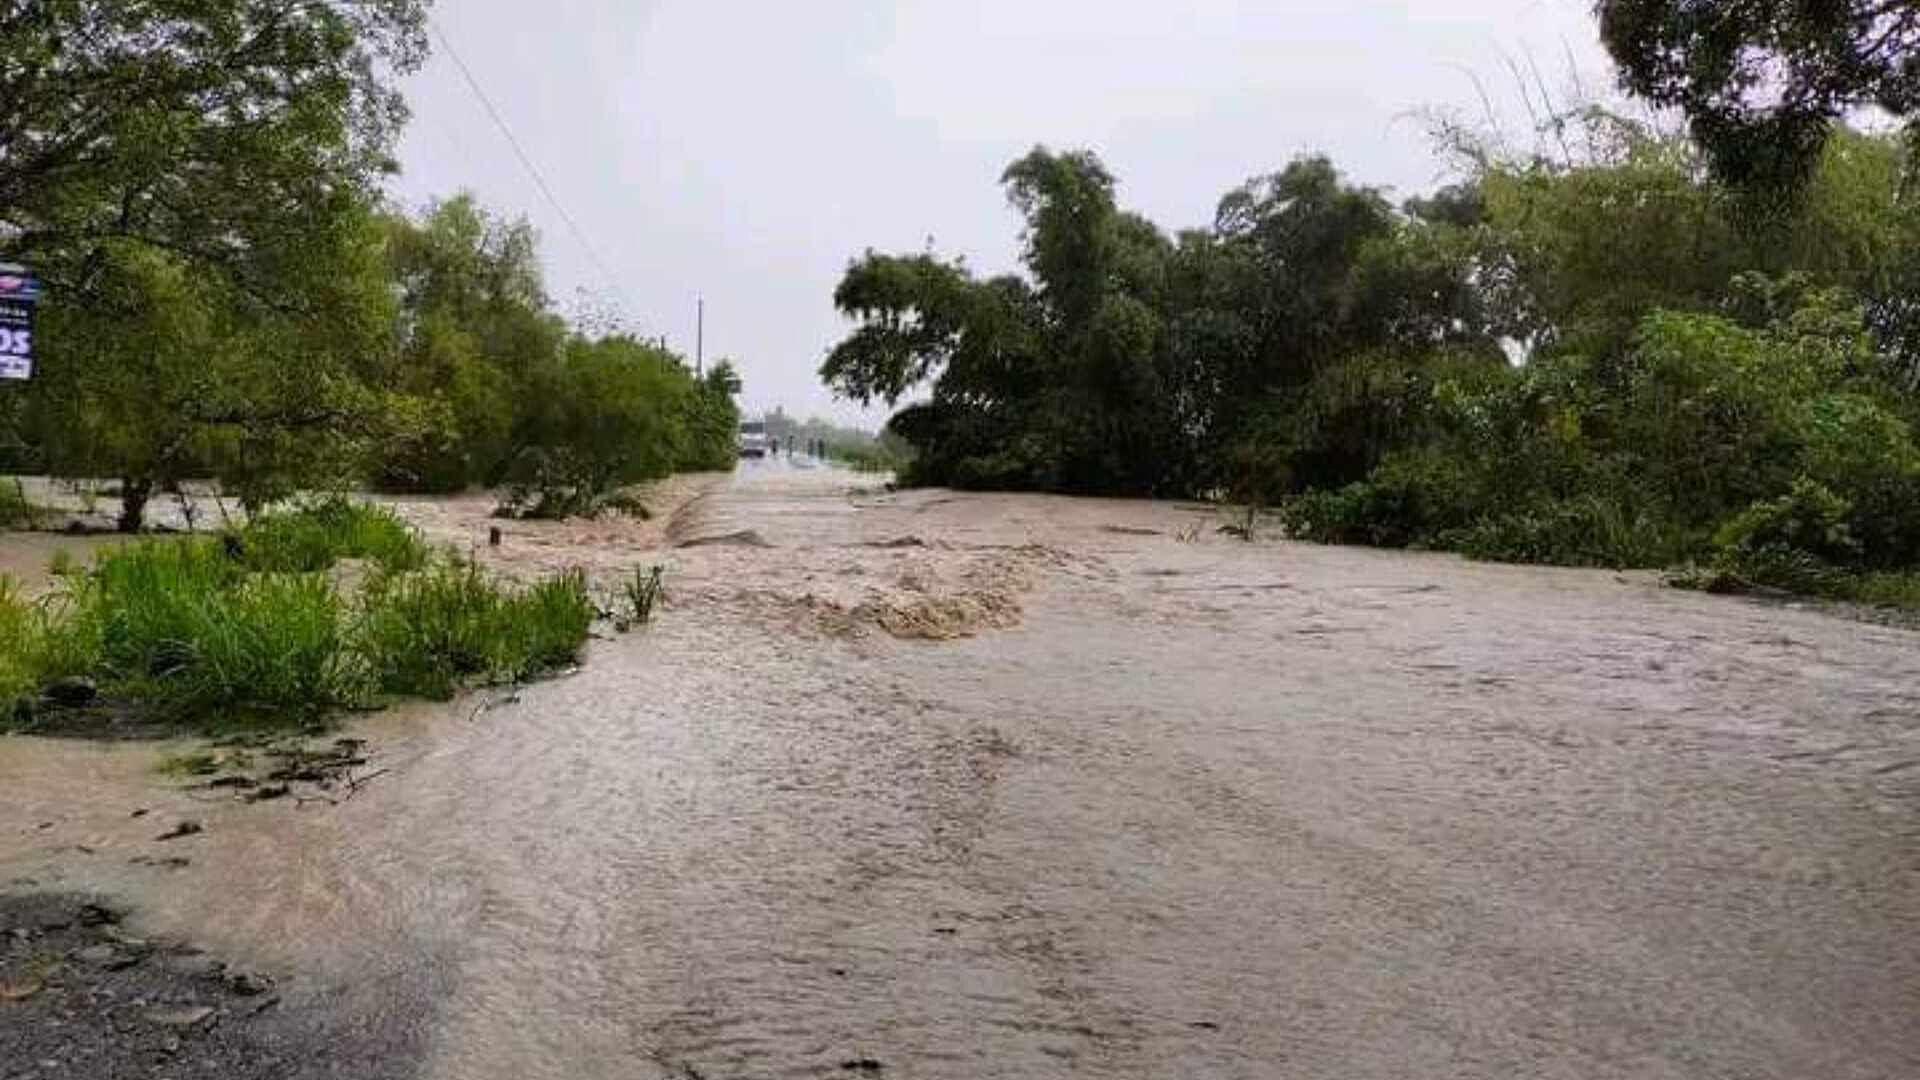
(700, 337)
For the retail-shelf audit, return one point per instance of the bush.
(1588, 531)
(314, 536)
(1809, 518)
(185, 627)
(1411, 500)
(182, 626)
(422, 633)
(874, 457)
(609, 414)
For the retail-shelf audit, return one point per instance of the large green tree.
(219, 130)
(474, 331)
(1763, 81)
(191, 179)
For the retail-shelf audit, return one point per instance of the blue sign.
(19, 295)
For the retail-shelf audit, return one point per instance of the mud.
(1153, 801)
(81, 998)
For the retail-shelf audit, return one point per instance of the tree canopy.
(1763, 81)
(197, 181)
(1593, 359)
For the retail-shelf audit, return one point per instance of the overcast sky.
(743, 151)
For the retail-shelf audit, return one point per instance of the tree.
(473, 333)
(611, 412)
(191, 179)
(213, 129)
(1763, 81)
(171, 373)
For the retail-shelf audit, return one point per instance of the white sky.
(744, 151)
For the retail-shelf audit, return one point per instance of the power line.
(533, 170)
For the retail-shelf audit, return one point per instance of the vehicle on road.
(753, 439)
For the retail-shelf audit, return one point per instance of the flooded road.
(938, 785)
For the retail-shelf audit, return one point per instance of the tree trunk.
(133, 504)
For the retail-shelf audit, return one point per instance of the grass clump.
(315, 535)
(249, 628)
(182, 626)
(19, 634)
(424, 633)
(643, 592)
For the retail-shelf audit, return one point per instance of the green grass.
(1787, 570)
(1892, 590)
(425, 632)
(315, 535)
(19, 638)
(182, 626)
(218, 632)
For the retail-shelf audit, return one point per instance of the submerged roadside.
(955, 785)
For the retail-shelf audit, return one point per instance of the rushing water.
(966, 786)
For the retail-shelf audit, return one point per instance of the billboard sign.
(19, 295)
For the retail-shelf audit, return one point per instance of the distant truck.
(753, 439)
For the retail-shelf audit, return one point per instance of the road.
(924, 784)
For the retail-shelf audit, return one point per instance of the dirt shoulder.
(82, 998)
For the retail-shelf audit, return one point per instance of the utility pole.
(700, 337)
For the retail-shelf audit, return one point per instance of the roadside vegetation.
(261, 625)
(1610, 345)
(230, 297)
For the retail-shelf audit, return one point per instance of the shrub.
(1809, 518)
(422, 633)
(1410, 500)
(642, 592)
(314, 536)
(1895, 590)
(1587, 531)
(612, 413)
(181, 625)
(875, 457)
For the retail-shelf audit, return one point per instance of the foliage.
(199, 184)
(642, 592)
(15, 511)
(191, 181)
(1762, 83)
(424, 632)
(193, 127)
(314, 535)
(1132, 363)
(475, 336)
(611, 413)
(1601, 358)
(248, 627)
(872, 456)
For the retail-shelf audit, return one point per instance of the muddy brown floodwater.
(939, 785)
